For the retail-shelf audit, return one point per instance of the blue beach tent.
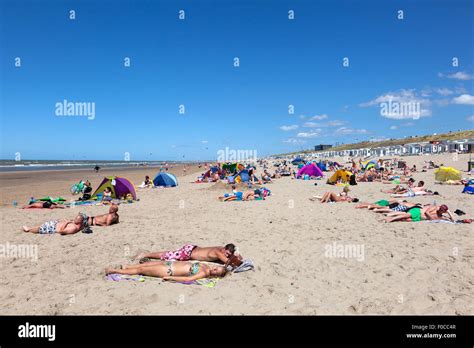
(165, 179)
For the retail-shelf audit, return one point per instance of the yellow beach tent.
(447, 173)
(344, 175)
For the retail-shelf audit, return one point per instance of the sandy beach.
(406, 268)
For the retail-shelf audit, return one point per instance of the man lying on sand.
(418, 214)
(412, 193)
(179, 271)
(43, 205)
(387, 206)
(107, 219)
(62, 227)
(193, 252)
(378, 204)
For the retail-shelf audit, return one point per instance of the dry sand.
(408, 268)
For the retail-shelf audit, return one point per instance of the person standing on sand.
(192, 252)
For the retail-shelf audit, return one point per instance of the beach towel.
(441, 221)
(207, 282)
(119, 277)
(246, 265)
(468, 189)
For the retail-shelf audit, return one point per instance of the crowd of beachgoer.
(185, 264)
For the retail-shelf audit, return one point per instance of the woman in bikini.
(179, 271)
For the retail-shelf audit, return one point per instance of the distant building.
(322, 147)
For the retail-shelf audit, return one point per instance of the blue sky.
(190, 62)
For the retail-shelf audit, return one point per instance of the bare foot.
(26, 229)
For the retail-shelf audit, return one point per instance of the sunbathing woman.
(333, 197)
(43, 205)
(179, 271)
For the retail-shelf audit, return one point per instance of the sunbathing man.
(179, 271)
(426, 213)
(412, 193)
(193, 252)
(379, 204)
(107, 219)
(43, 205)
(62, 227)
(396, 207)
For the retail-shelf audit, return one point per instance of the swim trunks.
(415, 214)
(400, 207)
(182, 254)
(49, 227)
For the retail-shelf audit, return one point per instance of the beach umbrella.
(447, 173)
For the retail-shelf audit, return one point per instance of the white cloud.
(393, 127)
(460, 75)
(408, 124)
(464, 99)
(347, 131)
(289, 128)
(318, 117)
(470, 118)
(204, 141)
(444, 91)
(335, 123)
(294, 141)
(313, 134)
(404, 104)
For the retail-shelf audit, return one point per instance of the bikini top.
(194, 269)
